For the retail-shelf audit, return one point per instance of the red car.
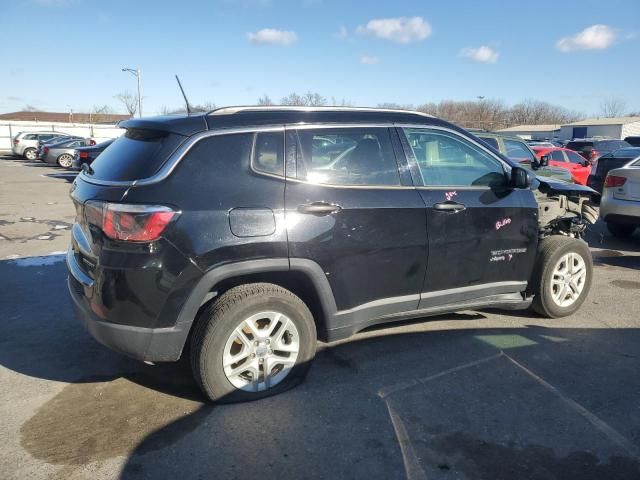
(567, 159)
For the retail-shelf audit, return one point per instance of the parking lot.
(468, 395)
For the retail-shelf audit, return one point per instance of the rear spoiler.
(181, 125)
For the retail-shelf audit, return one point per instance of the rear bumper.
(147, 344)
(621, 211)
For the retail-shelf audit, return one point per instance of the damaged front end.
(564, 208)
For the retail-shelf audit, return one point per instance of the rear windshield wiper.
(86, 168)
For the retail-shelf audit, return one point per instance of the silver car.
(62, 152)
(25, 144)
(620, 203)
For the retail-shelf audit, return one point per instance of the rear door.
(482, 234)
(352, 211)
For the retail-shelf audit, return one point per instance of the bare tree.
(265, 100)
(613, 107)
(30, 108)
(309, 99)
(342, 103)
(199, 107)
(100, 114)
(129, 100)
(396, 106)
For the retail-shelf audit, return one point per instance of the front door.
(482, 234)
(350, 211)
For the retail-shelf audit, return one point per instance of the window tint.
(446, 159)
(575, 158)
(268, 153)
(518, 151)
(491, 141)
(556, 156)
(347, 156)
(137, 154)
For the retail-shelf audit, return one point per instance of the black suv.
(594, 148)
(242, 235)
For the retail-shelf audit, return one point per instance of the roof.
(238, 117)
(604, 121)
(64, 117)
(531, 128)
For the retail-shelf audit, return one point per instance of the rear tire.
(65, 160)
(620, 230)
(562, 276)
(235, 358)
(29, 154)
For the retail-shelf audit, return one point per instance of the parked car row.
(57, 148)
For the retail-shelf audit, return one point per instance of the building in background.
(533, 132)
(618, 128)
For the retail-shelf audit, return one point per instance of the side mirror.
(521, 178)
(544, 161)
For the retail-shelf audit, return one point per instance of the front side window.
(518, 152)
(268, 153)
(446, 159)
(347, 156)
(556, 156)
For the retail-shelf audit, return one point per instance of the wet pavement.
(468, 395)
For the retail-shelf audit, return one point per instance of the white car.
(25, 144)
(620, 203)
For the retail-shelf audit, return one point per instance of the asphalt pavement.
(476, 394)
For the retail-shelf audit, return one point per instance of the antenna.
(185, 97)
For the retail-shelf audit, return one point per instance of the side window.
(30, 136)
(575, 158)
(491, 141)
(347, 156)
(557, 156)
(518, 152)
(446, 159)
(268, 152)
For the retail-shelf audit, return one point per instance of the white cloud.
(342, 34)
(400, 30)
(271, 36)
(369, 60)
(481, 54)
(595, 37)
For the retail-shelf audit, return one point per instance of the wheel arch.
(302, 277)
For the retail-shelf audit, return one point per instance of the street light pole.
(137, 73)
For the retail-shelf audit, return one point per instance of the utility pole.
(137, 74)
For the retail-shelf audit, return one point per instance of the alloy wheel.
(568, 279)
(261, 351)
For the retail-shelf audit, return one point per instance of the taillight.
(593, 154)
(613, 181)
(84, 155)
(45, 150)
(130, 223)
(16, 141)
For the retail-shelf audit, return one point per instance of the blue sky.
(68, 53)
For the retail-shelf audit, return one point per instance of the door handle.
(319, 208)
(451, 207)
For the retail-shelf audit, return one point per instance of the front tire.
(562, 276)
(620, 230)
(255, 341)
(65, 160)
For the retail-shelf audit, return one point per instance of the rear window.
(626, 153)
(490, 141)
(578, 145)
(611, 145)
(138, 154)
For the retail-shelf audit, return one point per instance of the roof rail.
(294, 108)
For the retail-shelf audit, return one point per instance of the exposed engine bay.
(564, 209)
